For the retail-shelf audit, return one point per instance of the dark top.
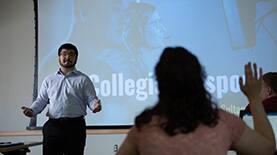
(270, 105)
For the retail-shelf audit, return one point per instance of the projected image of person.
(67, 93)
(186, 121)
(142, 37)
(268, 92)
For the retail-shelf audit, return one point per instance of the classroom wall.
(17, 48)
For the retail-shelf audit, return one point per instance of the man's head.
(269, 85)
(68, 54)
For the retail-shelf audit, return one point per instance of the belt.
(67, 119)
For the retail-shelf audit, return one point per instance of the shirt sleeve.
(90, 93)
(42, 100)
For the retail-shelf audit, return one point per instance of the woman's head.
(179, 74)
(183, 99)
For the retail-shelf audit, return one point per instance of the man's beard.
(71, 65)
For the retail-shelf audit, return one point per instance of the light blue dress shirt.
(66, 95)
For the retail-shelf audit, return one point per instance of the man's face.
(265, 91)
(67, 58)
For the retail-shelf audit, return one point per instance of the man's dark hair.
(270, 79)
(183, 100)
(68, 46)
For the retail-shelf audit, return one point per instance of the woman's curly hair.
(183, 99)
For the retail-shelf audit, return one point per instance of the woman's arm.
(261, 140)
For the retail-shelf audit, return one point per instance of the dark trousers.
(64, 136)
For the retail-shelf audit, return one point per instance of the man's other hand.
(27, 111)
(96, 106)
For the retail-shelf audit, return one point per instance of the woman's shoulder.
(231, 121)
(225, 115)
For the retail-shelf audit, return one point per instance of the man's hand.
(253, 81)
(96, 106)
(27, 111)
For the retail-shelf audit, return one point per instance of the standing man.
(68, 93)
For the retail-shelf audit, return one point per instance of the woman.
(185, 120)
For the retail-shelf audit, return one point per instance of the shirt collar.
(59, 72)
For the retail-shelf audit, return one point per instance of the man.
(68, 92)
(268, 92)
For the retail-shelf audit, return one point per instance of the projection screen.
(120, 41)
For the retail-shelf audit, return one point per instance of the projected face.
(67, 58)
(143, 27)
(154, 31)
